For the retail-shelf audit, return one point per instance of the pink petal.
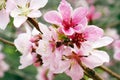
(75, 72)
(19, 20)
(84, 22)
(53, 17)
(26, 60)
(4, 19)
(96, 58)
(23, 45)
(93, 33)
(21, 2)
(79, 14)
(62, 66)
(79, 28)
(46, 31)
(10, 5)
(102, 42)
(15, 12)
(34, 14)
(69, 32)
(36, 4)
(65, 9)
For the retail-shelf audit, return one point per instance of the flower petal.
(96, 58)
(15, 12)
(53, 17)
(10, 5)
(19, 20)
(79, 28)
(93, 33)
(65, 9)
(34, 14)
(26, 60)
(23, 45)
(75, 72)
(36, 4)
(21, 2)
(70, 31)
(62, 66)
(4, 19)
(102, 42)
(79, 14)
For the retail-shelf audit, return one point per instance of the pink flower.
(69, 21)
(25, 9)
(92, 14)
(91, 58)
(88, 34)
(5, 9)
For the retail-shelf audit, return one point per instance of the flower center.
(78, 38)
(67, 24)
(2, 4)
(24, 10)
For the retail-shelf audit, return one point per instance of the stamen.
(2, 4)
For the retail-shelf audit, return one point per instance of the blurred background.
(106, 15)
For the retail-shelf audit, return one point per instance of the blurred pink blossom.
(116, 46)
(92, 14)
(3, 65)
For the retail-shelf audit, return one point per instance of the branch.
(113, 24)
(6, 41)
(35, 23)
(91, 73)
(110, 72)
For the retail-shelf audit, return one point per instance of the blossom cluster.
(62, 46)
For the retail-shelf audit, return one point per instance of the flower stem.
(35, 23)
(6, 41)
(110, 72)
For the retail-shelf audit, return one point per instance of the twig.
(35, 23)
(113, 24)
(110, 72)
(91, 73)
(6, 41)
